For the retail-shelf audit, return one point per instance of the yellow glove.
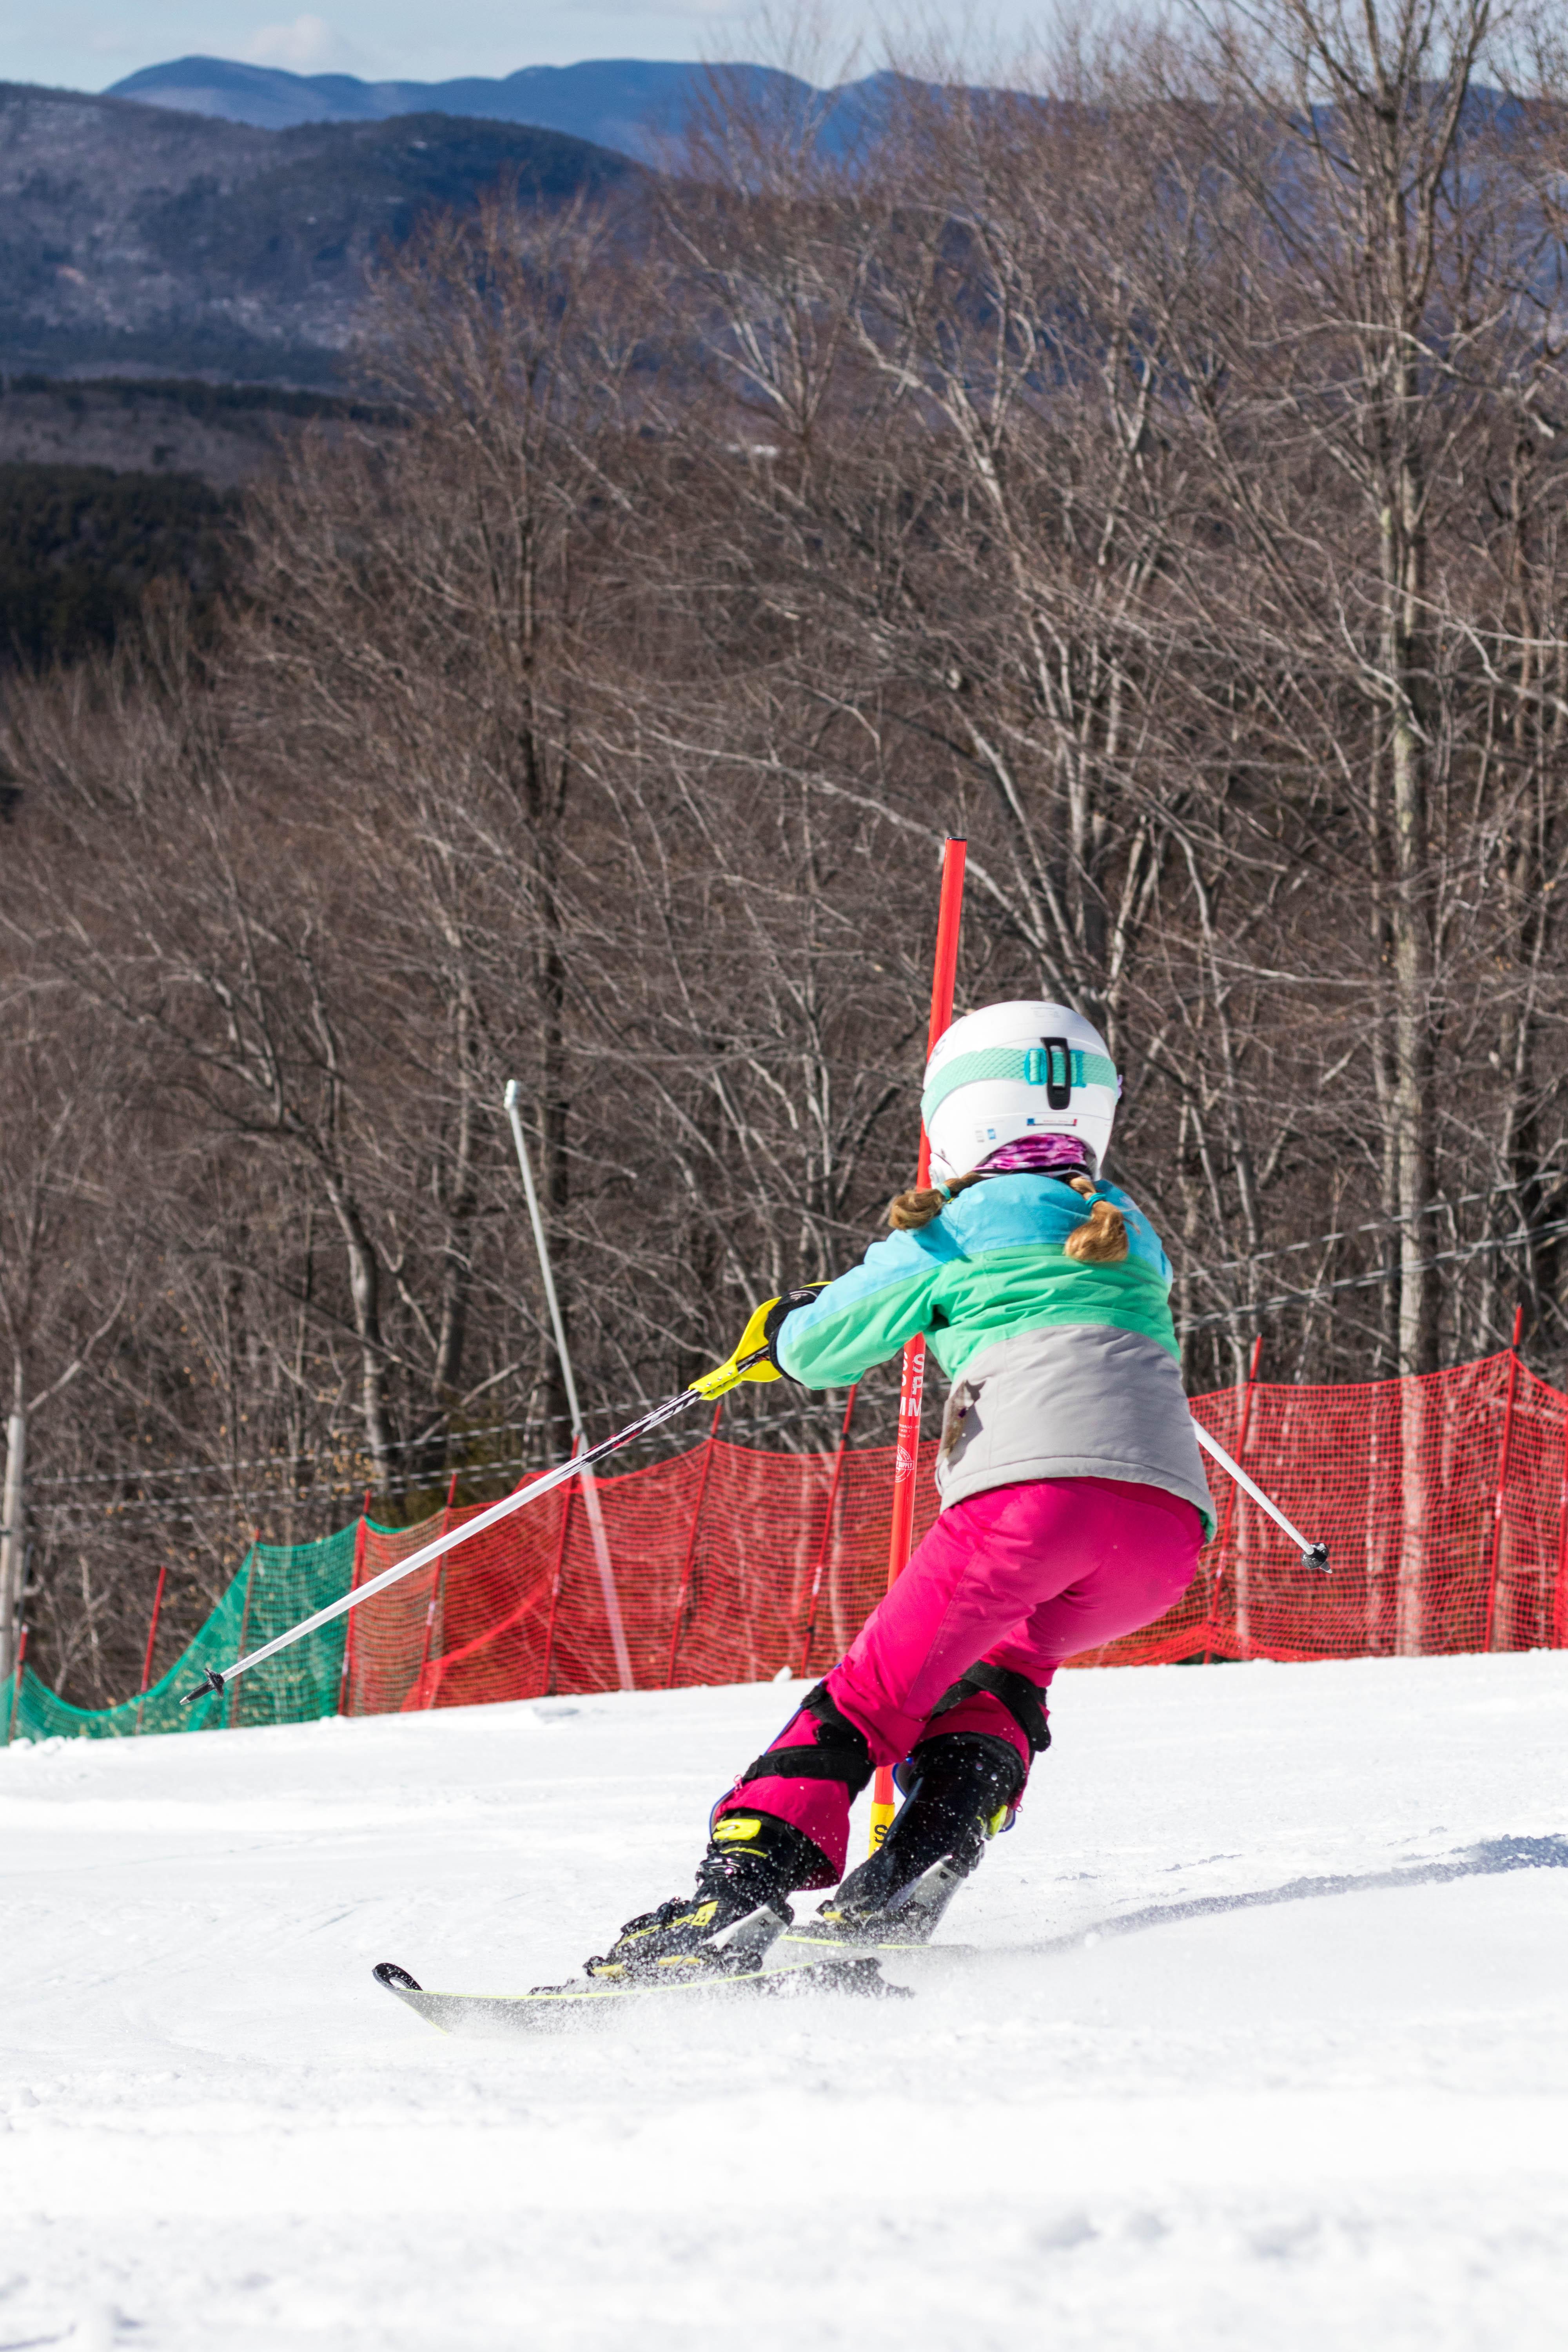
(756, 1340)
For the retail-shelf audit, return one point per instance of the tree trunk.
(554, 1108)
(457, 1261)
(364, 1285)
(1410, 919)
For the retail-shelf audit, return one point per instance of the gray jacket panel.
(1071, 1400)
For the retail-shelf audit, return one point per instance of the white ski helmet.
(1014, 1070)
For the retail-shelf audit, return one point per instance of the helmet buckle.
(1058, 1093)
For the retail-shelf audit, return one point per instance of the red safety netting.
(1443, 1501)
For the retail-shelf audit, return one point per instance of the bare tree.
(1155, 476)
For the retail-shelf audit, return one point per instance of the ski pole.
(1313, 1555)
(711, 1384)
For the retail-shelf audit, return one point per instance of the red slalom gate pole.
(560, 1573)
(1222, 1546)
(346, 1676)
(822, 1548)
(906, 1459)
(690, 1559)
(152, 1639)
(1495, 1557)
(433, 1605)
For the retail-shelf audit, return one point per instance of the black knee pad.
(1024, 1700)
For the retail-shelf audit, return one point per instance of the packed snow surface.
(1254, 2034)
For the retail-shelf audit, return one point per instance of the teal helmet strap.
(1054, 1064)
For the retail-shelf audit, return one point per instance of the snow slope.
(1263, 2045)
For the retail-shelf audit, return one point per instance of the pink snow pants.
(1021, 1577)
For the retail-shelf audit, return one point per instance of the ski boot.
(962, 1788)
(752, 1863)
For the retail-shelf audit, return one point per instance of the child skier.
(1073, 1498)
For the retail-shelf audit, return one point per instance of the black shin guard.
(963, 1785)
(839, 1750)
(1024, 1700)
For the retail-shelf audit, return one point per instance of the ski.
(549, 2009)
(873, 1944)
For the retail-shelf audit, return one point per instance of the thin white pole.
(1313, 1555)
(580, 1437)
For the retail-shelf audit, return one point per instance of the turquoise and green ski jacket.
(1059, 1369)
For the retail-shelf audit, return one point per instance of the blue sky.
(87, 44)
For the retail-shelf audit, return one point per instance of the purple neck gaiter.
(1039, 1155)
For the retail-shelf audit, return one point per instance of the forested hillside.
(79, 546)
(222, 432)
(137, 237)
(1161, 483)
(108, 486)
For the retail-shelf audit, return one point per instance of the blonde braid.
(907, 1211)
(1101, 1239)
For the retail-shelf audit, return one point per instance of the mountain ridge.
(636, 106)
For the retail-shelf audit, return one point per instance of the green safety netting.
(276, 1586)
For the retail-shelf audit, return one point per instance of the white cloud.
(308, 45)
